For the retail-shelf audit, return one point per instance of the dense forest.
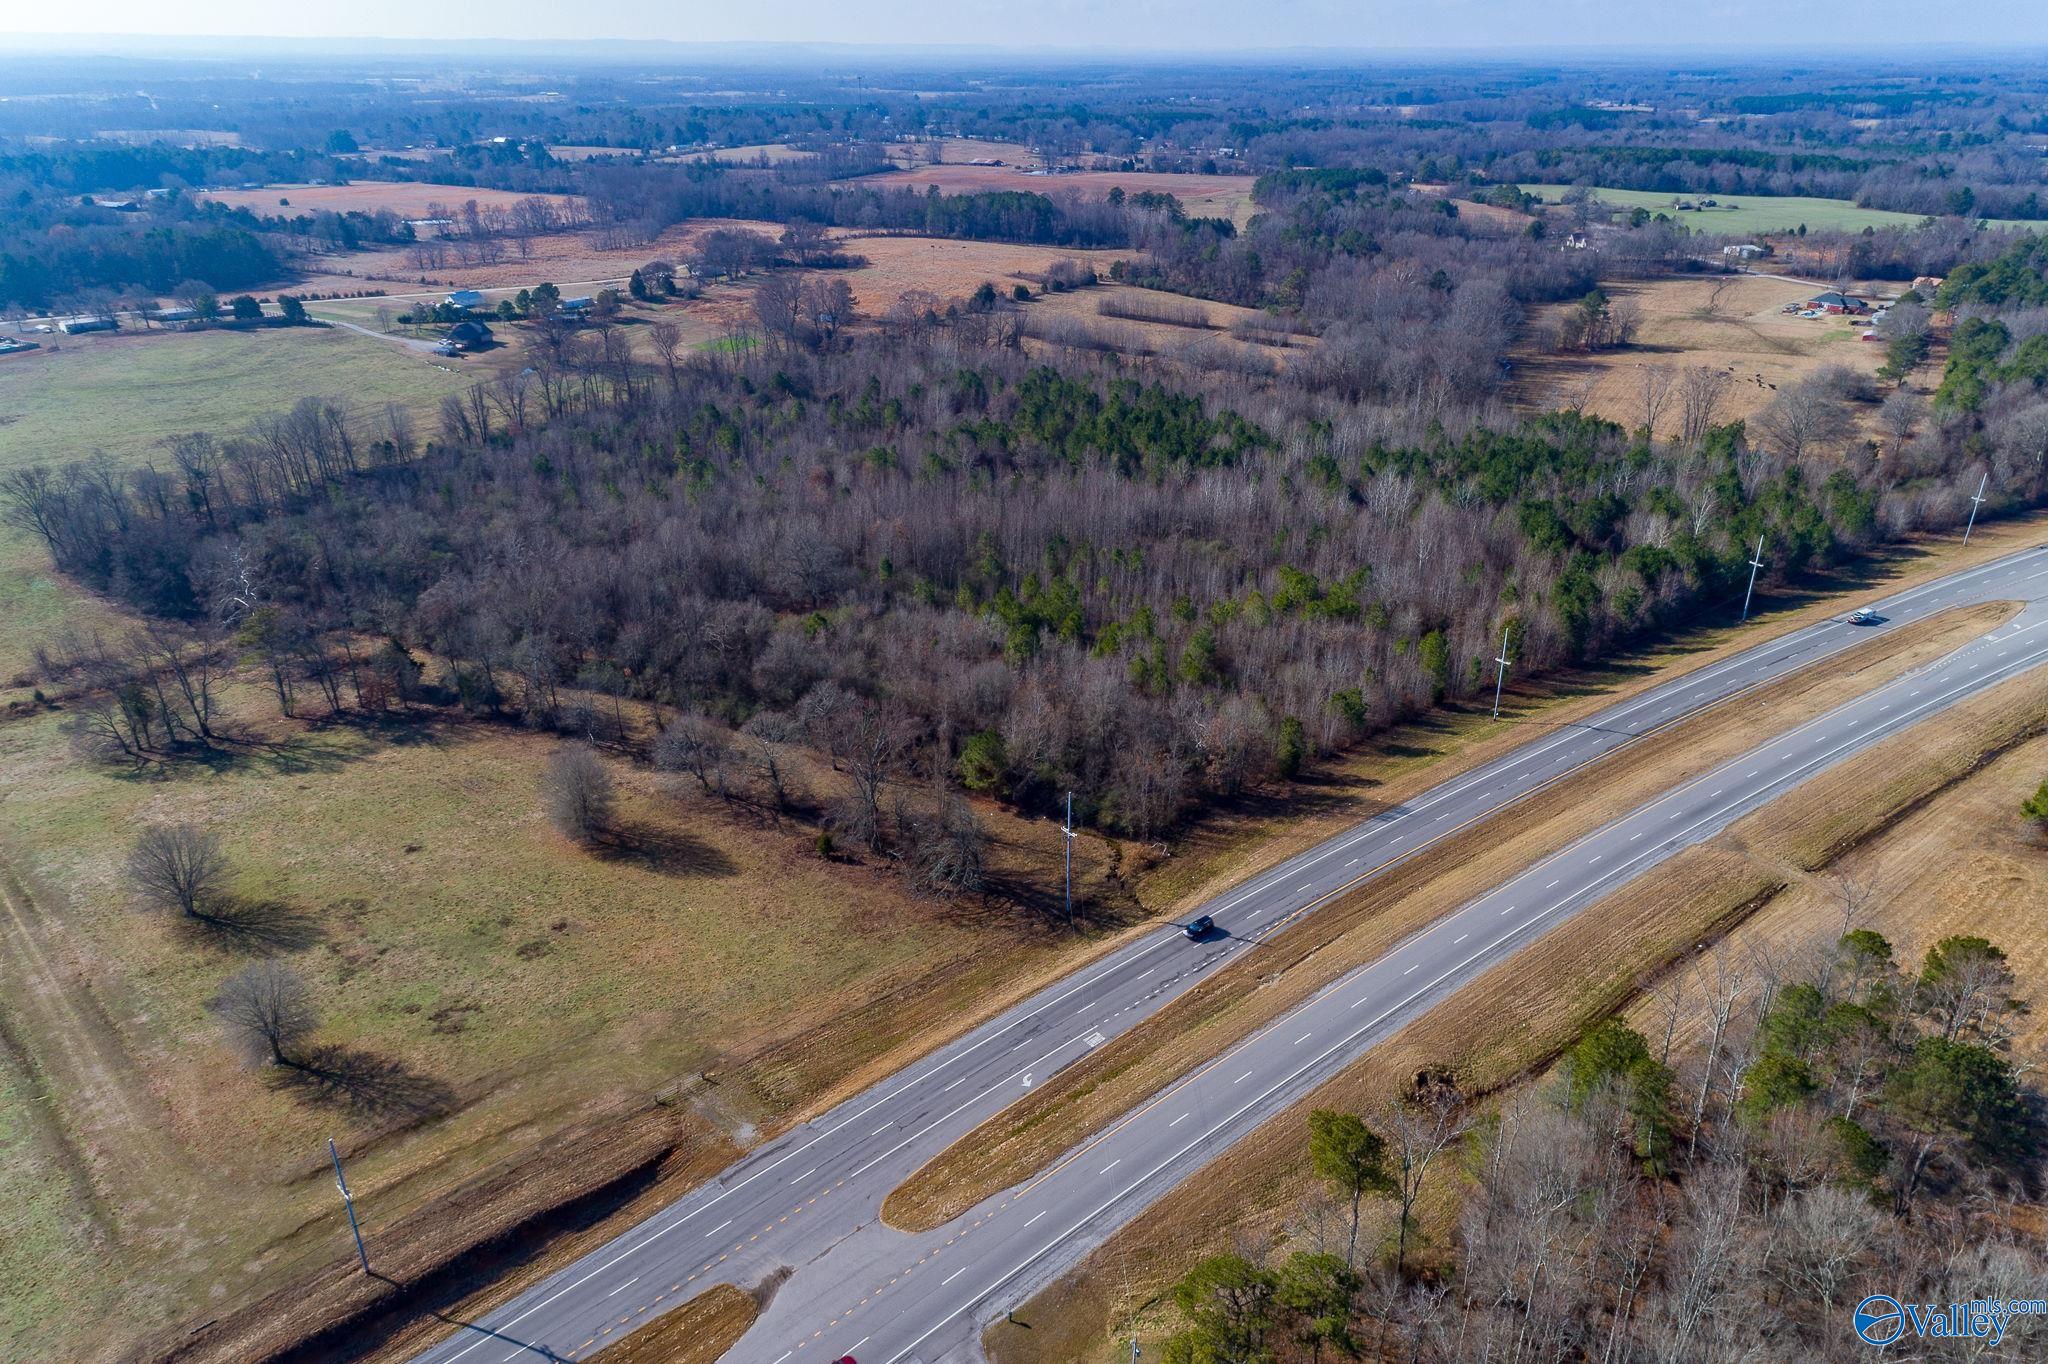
(1046, 575)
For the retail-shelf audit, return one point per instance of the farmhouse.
(468, 336)
(580, 304)
(465, 298)
(72, 326)
(1744, 250)
(1834, 301)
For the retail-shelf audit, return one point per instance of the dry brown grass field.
(409, 199)
(1940, 789)
(960, 150)
(773, 152)
(949, 268)
(1966, 862)
(445, 929)
(1204, 196)
(564, 258)
(1732, 323)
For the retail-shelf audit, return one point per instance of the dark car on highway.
(1199, 927)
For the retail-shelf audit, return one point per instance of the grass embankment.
(1362, 924)
(698, 1332)
(1534, 1005)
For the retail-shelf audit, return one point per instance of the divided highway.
(809, 1201)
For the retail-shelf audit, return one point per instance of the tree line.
(1798, 1130)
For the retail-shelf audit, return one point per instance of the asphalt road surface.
(809, 1201)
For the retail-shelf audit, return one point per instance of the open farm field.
(563, 258)
(1204, 196)
(1750, 215)
(510, 985)
(775, 153)
(408, 199)
(1731, 323)
(960, 150)
(948, 267)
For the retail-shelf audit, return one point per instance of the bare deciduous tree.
(1701, 391)
(581, 798)
(177, 867)
(266, 1013)
(948, 852)
(1653, 390)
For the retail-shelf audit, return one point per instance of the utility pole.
(1068, 830)
(1500, 673)
(348, 1201)
(1975, 503)
(1756, 562)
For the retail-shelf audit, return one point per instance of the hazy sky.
(1210, 25)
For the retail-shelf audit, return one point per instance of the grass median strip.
(1536, 1003)
(1363, 923)
(698, 1332)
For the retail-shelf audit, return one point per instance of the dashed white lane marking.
(623, 1287)
(1303, 1038)
(1242, 1078)
(1112, 1165)
(1035, 1216)
(1509, 910)
(1460, 938)
(954, 1275)
(883, 1128)
(1552, 884)
(1411, 970)
(805, 1175)
(717, 1229)
(1178, 1121)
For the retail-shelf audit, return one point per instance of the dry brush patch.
(1961, 861)
(1536, 1004)
(1358, 926)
